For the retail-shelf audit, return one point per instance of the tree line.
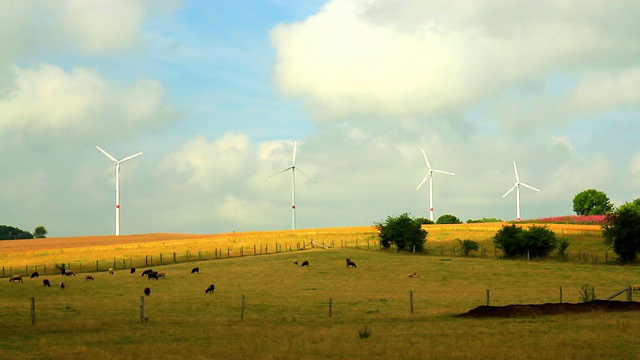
(13, 233)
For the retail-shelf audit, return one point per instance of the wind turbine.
(292, 167)
(117, 163)
(516, 186)
(430, 177)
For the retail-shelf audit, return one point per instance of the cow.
(68, 273)
(111, 271)
(305, 263)
(35, 274)
(146, 272)
(133, 270)
(153, 275)
(414, 275)
(88, 277)
(61, 285)
(147, 291)
(161, 275)
(210, 289)
(195, 270)
(46, 283)
(350, 263)
(15, 278)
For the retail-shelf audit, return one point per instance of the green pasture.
(287, 310)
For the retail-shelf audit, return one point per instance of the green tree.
(40, 232)
(402, 231)
(11, 233)
(591, 202)
(448, 219)
(537, 241)
(468, 246)
(424, 221)
(621, 231)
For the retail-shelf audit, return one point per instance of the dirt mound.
(551, 309)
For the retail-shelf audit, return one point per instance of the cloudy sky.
(216, 92)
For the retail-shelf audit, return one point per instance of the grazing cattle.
(88, 277)
(295, 262)
(146, 272)
(413, 275)
(161, 275)
(153, 275)
(34, 274)
(305, 263)
(68, 273)
(635, 288)
(61, 285)
(210, 289)
(15, 278)
(133, 270)
(147, 291)
(350, 263)
(195, 270)
(46, 283)
(111, 271)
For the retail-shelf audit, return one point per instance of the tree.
(11, 233)
(468, 246)
(403, 231)
(621, 231)
(424, 221)
(448, 219)
(40, 232)
(591, 202)
(537, 241)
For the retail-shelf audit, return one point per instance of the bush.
(448, 219)
(468, 246)
(403, 231)
(562, 248)
(587, 293)
(424, 221)
(537, 241)
(621, 231)
(483, 220)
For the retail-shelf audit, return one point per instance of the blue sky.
(216, 92)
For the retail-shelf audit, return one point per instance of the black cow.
(153, 275)
(133, 270)
(210, 289)
(46, 283)
(146, 272)
(35, 274)
(147, 291)
(195, 270)
(305, 263)
(350, 263)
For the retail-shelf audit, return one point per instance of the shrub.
(587, 293)
(483, 220)
(562, 248)
(537, 241)
(403, 231)
(448, 219)
(621, 231)
(468, 246)
(424, 221)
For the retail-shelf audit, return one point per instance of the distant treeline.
(13, 233)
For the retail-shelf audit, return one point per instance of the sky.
(216, 93)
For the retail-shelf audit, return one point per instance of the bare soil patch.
(508, 311)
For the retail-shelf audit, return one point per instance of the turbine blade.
(443, 172)
(530, 187)
(106, 154)
(293, 158)
(131, 157)
(516, 171)
(510, 190)
(423, 180)
(425, 159)
(286, 169)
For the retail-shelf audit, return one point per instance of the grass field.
(286, 314)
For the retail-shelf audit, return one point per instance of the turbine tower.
(516, 186)
(293, 185)
(430, 177)
(117, 163)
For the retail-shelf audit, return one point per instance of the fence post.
(561, 294)
(160, 258)
(97, 267)
(411, 300)
(114, 263)
(254, 249)
(242, 313)
(26, 269)
(330, 306)
(488, 297)
(33, 311)
(146, 260)
(228, 252)
(142, 309)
